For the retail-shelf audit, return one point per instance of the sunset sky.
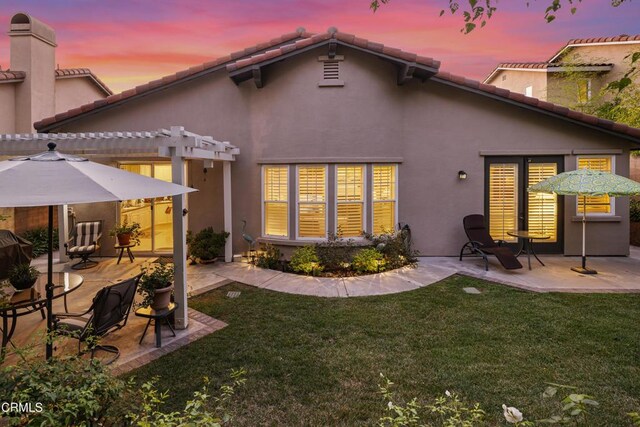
(127, 43)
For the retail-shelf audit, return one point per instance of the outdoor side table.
(128, 249)
(157, 317)
(526, 239)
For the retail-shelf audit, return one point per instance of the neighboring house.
(574, 74)
(336, 131)
(32, 89)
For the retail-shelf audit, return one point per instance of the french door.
(508, 205)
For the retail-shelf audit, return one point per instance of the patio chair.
(108, 312)
(482, 244)
(84, 242)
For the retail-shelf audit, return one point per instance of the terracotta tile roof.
(539, 104)
(180, 75)
(11, 76)
(62, 73)
(546, 65)
(615, 39)
(343, 37)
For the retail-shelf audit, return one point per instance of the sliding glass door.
(154, 215)
(508, 205)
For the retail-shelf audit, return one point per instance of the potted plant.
(156, 285)
(127, 233)
(207, 245)
(23, 276)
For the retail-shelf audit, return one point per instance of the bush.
(368, 260)
(336, 253)
(207, 244)
(269, 257)
(396, 247)
(305, 260)
(634, 210)
(39, 239)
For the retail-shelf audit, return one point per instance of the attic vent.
(331, 71)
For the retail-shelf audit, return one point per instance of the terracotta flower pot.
(124, 239)
(162, 298)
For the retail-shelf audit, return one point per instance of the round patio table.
(29, 301)
(526, 239)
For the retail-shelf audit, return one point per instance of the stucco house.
(573, 74)
(33, 88)
(338, 132)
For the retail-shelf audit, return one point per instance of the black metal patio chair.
(482, 244)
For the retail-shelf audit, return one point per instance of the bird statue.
(247, 238)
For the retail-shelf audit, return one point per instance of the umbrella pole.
(584, 269)
(49, 287)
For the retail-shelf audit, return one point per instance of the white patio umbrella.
(53, 178)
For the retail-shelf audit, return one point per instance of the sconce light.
(462, 175)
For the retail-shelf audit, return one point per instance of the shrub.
(39, 239)
(269, 257)
(336, 253)
(72, 391)
(305, 260)
(396, 247)
(207, 244)
(368, 260)
(634, 210)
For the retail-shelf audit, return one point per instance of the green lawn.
(316, 361)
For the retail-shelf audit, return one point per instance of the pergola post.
(228, 226)
(179, 240)
(63, 231)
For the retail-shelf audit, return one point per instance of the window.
(503, 200)
(542, 208)
(384, 198)
(528, 91)
(350, 200)
(584, 91)
(276, 201)
(596, 204)
(312, 202)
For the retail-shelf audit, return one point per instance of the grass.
(316, 361)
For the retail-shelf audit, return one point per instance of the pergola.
(177, 144)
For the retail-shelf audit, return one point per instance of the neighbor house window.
(312, 201)
(528, 91)
(384, 198)
(276, 201)
(584, 91)
(350, 200)
(596, 204)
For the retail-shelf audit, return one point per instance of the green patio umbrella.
(587, 182)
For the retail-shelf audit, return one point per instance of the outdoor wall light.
(462, 175)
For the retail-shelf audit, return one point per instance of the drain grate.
(233, 294)
(473, 291)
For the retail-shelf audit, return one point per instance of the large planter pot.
(124, 239)
(162, 298)
(635, 233)
(21, 286)
(207, 261)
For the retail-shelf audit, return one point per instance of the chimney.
(33, 50)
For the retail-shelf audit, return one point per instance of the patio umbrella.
(587, 182)
(53, 178)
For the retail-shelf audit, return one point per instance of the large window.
(596, 204)
(312, 201)
(350, 200)
(384, 198)
(503, 200)
(276, 201)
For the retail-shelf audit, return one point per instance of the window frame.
(395, 201)
(364, 203)
(263, 202)
(612, 200)
(326, 203)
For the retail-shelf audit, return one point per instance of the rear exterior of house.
(338, 134)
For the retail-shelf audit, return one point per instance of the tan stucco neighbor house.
(338, 132)
(34, 88)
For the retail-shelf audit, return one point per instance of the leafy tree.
(480, 11)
